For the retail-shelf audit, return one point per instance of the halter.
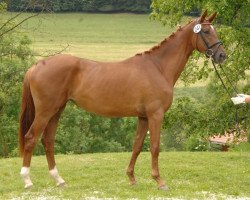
(209, 51)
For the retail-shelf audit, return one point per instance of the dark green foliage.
(189, 123)
(196, 143)
(243, 147)
(14, 60)
(140, 6)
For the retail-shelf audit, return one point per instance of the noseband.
(209, 48)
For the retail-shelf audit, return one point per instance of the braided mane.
(164, 41)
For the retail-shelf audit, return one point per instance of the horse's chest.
(167, 98)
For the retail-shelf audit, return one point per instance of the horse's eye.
(206, 31)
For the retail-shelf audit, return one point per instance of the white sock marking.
(26, 177)
(55, 175)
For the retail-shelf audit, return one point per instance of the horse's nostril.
(223, 56)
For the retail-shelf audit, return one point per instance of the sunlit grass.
(200, 175)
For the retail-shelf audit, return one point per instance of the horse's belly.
(110, 109)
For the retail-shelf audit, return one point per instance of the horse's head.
(206, 40)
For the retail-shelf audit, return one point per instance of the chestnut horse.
(140, 86)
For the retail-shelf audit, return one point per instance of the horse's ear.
(203, 16)
(211, 18)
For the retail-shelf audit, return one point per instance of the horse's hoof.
(61, 184)
(133, 183)
(28, 185)
(163, 187)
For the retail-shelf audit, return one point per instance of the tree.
(81, 5)
(232, 25)
(15, 57)
(14, 60)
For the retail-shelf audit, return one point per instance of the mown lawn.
(203, 175)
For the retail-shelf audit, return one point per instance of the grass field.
(206, 175)
(105, 37)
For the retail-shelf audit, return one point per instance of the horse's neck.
(173, 54)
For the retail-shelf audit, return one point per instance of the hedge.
(135, 6)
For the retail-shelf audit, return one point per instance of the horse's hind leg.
(31, 139)
(48, 140)
(142, 129)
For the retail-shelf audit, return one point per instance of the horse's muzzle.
(220, 57)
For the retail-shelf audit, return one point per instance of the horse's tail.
(27, 113)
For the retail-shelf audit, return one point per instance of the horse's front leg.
(155, 122)
(142, 128)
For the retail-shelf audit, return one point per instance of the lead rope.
(218, 74)
(230, 82)
(229, 94)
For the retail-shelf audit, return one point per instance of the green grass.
(104, 37)
(202, 175)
